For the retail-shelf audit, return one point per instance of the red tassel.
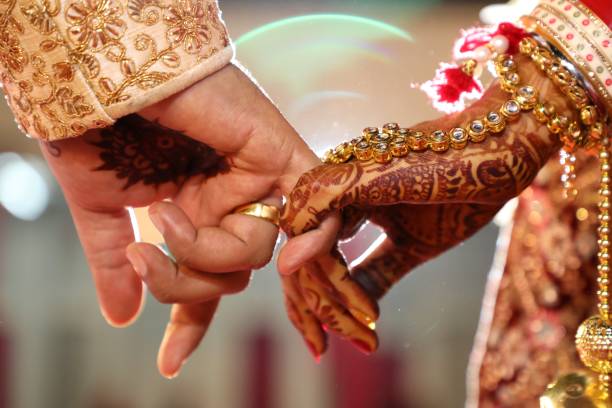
(514, 35)
(451, 87)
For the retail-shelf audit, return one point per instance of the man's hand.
(210, 153)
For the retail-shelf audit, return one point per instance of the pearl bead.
(482, 54)
(500, 44)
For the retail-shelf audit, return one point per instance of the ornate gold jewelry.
(381, 153)
(458, 138)
(439, 141)
(495, 122)
(260, 210)
(477, 131)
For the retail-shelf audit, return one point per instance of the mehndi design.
(466, 185)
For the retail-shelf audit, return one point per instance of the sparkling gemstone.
(512, 77)
(458, 134)
(493, 117)
(403, 132)
(363, 145)
(508, 63)
(439, 135)
(513, 107)
(382, 138)
(527, 91)
(477, 126)
(381, 146)
(416, 134)
(391, 126)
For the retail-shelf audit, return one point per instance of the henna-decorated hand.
(209, 153)
(425, 202)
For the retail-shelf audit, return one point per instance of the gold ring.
(260, 210)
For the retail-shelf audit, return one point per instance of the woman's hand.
(426, 202)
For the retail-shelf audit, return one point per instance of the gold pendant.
(575, 390)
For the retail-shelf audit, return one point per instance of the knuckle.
(163, 296)
(241, 283)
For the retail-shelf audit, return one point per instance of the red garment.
(603, 9)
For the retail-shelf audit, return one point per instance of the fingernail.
(157, 220)
(363, 318)
(170, 329)
(313, 351)
(138, 263)
(362, 346)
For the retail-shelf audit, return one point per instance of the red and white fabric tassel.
(458, 82)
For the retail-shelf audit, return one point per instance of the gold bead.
(328, 157)
(543, 58)
(511, 110)
(557, 124)
(505, 63)
(381, 138)
(399, 147)
(527, 97)
(543, 112)
(369, 132)
(358, 140)
(381, 153)
(403, 132)
(588, 115)
(439, 141)
(477, 131)
(563, 78)
(594, 344)
(527, 45)
(469, 66)
(572, 136)
(344, 152)
(363, 151)
(596, 132)
(391, 128)
(417, 141)
(509, 81)
(458, 138)
(495, 122)
(577, 95)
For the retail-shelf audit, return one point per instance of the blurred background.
(333, 67)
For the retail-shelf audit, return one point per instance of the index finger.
(240, 242)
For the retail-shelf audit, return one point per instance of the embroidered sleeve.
(70, 65)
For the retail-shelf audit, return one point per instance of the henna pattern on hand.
(416, 234)
(138, 150)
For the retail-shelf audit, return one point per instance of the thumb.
(104, 236)
(304, 248)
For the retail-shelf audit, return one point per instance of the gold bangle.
(260, 210)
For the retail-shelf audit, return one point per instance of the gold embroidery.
(95, 23)
(79, 57)
(185, 20)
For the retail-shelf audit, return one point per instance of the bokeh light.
(321, 69)
(24, 193)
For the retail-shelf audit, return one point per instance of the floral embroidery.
(63, 61)
(40, 17)
(186, 21)
(95, 23)
(12, 56)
